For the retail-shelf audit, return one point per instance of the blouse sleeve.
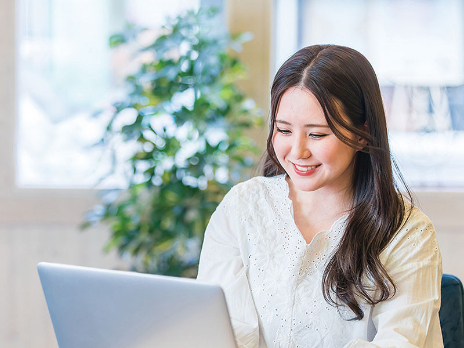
(221, 263)
(410, 318)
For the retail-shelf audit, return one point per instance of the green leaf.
(116, 40)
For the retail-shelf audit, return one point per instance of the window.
(66, 71)
(417, 50)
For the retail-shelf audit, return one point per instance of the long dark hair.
(340, 76)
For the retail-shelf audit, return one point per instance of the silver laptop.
(95, 308)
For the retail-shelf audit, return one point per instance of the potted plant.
(187, 141)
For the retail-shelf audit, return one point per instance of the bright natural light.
(65, 75)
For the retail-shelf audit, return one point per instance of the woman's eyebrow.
(306, 125)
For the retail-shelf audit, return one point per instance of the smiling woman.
(323, 250)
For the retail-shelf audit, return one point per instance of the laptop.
(96, 308)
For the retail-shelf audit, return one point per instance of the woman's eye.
(283, 131)
(317, 136)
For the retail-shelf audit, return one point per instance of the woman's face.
(306, 148)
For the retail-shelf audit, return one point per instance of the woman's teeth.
(305, 169)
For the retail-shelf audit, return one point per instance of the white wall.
(35, 225)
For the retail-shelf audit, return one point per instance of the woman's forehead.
(299, 105)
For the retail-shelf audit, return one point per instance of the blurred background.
(57, 69)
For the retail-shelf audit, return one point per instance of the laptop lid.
(96, 308)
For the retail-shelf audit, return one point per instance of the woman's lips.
(305, 170)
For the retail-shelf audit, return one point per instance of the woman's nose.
(300, 148)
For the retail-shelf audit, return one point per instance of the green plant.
(187, 139)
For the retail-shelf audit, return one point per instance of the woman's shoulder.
(415, 236)
(415, 220)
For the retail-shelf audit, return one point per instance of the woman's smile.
(305, 170)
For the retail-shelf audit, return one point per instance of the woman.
(323, 250)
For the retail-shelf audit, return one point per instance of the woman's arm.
(410, 318)
(221, 263)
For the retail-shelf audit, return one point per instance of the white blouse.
(272, 278)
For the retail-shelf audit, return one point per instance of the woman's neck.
(329, 203)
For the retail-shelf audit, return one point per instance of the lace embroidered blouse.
(272, 278)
